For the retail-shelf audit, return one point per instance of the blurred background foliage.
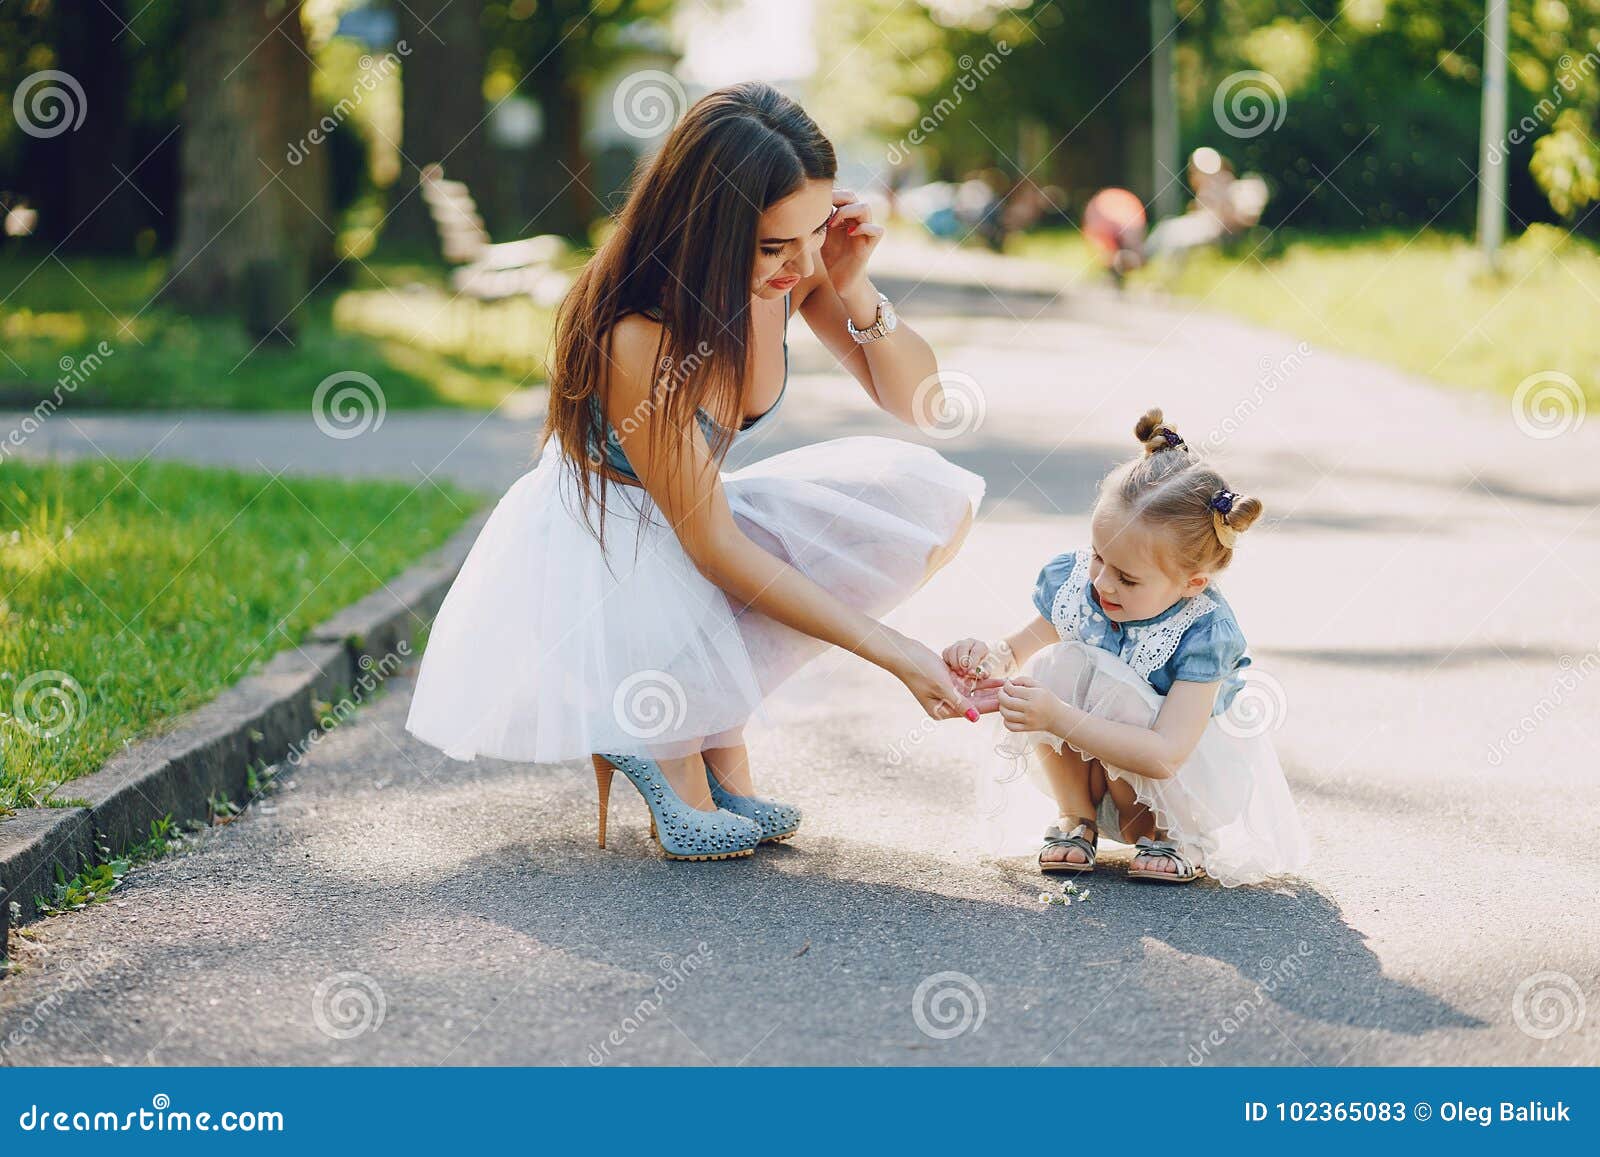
(1382, 94)
(246, 181)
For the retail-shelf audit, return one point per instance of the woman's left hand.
(852, 236)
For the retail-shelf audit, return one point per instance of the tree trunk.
(562, 178)
(442, 109)
(291, 114)
(252, 220)
(87, 204)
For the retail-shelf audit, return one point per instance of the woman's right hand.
(929, 679)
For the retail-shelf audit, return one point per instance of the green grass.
(1065, 247)
(131, 593)
(1421, 303)
(54, 317)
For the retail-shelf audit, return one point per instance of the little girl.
(1128, 671)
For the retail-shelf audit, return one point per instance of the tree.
(962, 92)
(94, 148)
(442, 107)
(255, 230)
(553, 49)
(1372, 109)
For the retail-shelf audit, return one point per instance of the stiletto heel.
(602, 780)
(777, 821)
(684, 832)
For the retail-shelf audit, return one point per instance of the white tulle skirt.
(547, 648)
(1228, 808)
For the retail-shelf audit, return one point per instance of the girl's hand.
(965, 658)
(851, 238)
(927, 678)
(1026, 706)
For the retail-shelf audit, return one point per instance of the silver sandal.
(1163, 850)
(1054, 837)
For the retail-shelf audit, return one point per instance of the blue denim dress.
(1195, 639)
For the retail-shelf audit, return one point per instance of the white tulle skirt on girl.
(547, 648)
(1228, 808)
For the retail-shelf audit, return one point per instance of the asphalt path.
(1421, 602)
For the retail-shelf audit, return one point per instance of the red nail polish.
(972, 714)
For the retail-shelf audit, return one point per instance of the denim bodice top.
(610, 448)
(1196, 639)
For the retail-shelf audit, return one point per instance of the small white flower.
(1066, 900)
(1083, 897)
(1044, 897)
(1071, 889)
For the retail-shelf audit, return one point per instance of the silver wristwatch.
(883, 326)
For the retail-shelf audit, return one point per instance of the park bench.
(485, 270)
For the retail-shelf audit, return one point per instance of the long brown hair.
(684, 244)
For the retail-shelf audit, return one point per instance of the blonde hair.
(1169, 487)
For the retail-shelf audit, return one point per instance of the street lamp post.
(1491, 148)
(1164, 112)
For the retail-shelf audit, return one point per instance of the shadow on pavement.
(822, 946)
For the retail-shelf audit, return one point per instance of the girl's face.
(788, 237)
(1127, 567)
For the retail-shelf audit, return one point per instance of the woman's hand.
(926, 677)
(1026, 706)
(852, 236)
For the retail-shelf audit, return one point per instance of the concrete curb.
(207, 752)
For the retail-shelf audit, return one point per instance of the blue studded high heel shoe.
(684, 832)
(777, 821)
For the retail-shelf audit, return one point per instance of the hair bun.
(1155, 435)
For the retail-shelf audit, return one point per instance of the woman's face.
(789, 236)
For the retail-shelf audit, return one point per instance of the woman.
(628, 601)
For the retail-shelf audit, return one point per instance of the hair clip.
(1221, 506)
(1170, 436)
